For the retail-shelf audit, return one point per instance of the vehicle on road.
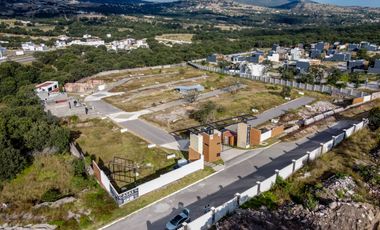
(178, 220)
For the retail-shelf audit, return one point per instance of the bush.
(51, 195)
(267, 199)
(79, 168)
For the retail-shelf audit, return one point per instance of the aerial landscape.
(189, 114)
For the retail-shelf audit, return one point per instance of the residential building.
(353, 47)
(295, 54)
(303, 65)
(238, 58)
(276, 47)
(316, 53)
(376, 68)
(208, 143)
(273, 57)
(356, 65)
(28, 46)
(321, 46)
(339, 57)
(257, 57)
(196, 146)
(212, 145)
(243, 135)
(215, 58)
(368, 46)
(48, 86)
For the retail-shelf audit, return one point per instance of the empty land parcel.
(103, 140)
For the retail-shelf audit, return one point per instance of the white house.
(28, 46)
(47, 86)
(295, 54)
(19, 52)
(274, 57)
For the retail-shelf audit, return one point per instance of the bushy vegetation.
(352, 158)
(25, 128)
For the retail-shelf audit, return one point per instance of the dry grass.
(47, 171)
(104, 140)
(176, 37)
(145, 100)
(255, 95)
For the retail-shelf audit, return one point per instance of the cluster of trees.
(25, 129)
(207, 112)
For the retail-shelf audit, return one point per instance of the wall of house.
(212, 146)
(242, 135)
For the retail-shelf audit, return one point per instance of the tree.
(286, 91)
(11, 162)
(191, 96)
(287, 74)
(374, 118)
(355, 78)
(334, 77)
(207, 112)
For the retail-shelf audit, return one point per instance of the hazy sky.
(372, 3)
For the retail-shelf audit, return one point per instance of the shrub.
(267, 199)
(51, 195)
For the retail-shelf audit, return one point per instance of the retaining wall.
(207, 220)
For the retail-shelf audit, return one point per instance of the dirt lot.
(176, 37)
(255, 95)
(103, 139)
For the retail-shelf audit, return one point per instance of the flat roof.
(46, 83)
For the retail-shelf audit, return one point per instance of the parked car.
(178, 220)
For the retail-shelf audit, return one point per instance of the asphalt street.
(148, 132)
(239, 175)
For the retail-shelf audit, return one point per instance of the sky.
(371, 3)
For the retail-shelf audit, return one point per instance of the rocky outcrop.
(335, 210)
(338, 215)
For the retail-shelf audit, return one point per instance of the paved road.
(240, 174)
(148, 131)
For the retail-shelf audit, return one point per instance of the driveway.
(239, 175)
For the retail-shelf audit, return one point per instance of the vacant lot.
(151, 90)
(103, 140)
(255, 96)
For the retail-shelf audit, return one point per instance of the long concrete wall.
(216, 214)
(266, 79)
(163, 180)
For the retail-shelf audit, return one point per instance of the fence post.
(334, 140)
(237, 195)
(258, 187)
(294, 165)
(185, 227)
(355, 128)
(308, 155)
(322, 144)
(277, 173)
(213, 215)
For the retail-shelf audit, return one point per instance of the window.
(218, 154)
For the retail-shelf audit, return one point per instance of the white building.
(86, 36)
(28, 46)
(109, 35)
(295, 54)
(48, 86)
(274, 57)
(19, 52)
